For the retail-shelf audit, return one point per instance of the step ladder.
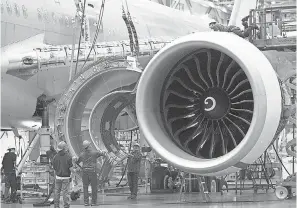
(252, 170)
(202, 187)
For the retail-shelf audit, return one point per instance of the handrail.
(273, 26)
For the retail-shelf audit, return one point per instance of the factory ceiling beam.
(188, 2)
(161, 2)
(222, 3)
(208, 10)
(174, 4)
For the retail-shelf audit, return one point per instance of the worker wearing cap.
(9, 169)
(62, 164)
(133, 168)
(88, 158)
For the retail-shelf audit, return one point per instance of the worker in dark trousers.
(133, 168)
(9, 170)
(62, 164)
(51, 153)
(88, 158)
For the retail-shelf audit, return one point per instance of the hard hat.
(86, 144)
(136, 144)
(74, 158)
(10, 147)
(61, 146)
(212, 23)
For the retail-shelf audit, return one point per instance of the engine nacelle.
(209, 103)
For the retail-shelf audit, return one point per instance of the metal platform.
(275, 43)
(273, 28)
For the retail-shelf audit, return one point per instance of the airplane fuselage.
(27, 26)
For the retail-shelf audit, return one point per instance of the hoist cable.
(99, 23)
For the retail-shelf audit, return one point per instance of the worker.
(88, 158)
(62, 164)
(51, 153)
(234, 29)
(218, 27)
(9, 170)
(133, 168)
(244, 22)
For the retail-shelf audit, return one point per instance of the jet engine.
(209, 103)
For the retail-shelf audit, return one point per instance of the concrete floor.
(187, 200)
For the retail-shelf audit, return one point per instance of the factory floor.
(260, 200)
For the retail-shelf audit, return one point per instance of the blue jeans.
(90, 178)
(62, 185)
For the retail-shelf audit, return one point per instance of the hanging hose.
(129, 29)
(136, 44)
(280, 159)
(130, 146)
(134, 34)
(132, 28)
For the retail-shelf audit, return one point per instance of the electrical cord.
(130, 146)
(280, 159)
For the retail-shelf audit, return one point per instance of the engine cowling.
(209, 103)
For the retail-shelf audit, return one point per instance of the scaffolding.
(275, 24)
